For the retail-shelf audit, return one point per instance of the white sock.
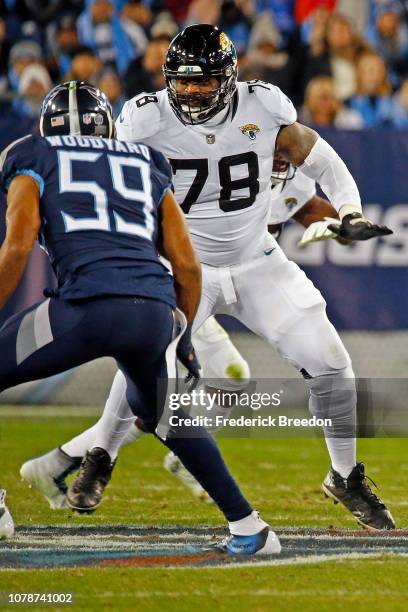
(78, 446)
(342, 453)
(250, 525)
(117, 419)
(133, 434)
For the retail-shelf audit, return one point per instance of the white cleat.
(47, 474)
(266, 542)
(173, 465)
(6, 520)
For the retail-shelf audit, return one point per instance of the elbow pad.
(327, 168)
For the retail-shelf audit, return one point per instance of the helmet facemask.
(198, 107)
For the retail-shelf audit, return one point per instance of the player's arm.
(304, 148)
(23, 224)
(316, 209)
(316, 216)
(178, 249)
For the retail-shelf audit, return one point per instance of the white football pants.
(273, 297)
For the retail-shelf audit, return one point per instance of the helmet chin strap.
(218, 118)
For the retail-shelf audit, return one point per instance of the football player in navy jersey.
(103, 210)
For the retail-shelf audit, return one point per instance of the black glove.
(186, 354)
(355, 227)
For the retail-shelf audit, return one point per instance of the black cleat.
(85, 493)
(355, 494)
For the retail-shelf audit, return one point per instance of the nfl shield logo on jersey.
(87, 118)
(210, 138)
(250, 130)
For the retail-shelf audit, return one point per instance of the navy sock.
(202, 458)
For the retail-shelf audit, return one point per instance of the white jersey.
(221, 173)
(289, 197)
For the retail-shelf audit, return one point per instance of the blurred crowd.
(344, 63)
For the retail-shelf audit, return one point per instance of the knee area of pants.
(338, 389)
(343, 377)
(334, 394)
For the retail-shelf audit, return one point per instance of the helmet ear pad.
(77, 108)
(200, 52)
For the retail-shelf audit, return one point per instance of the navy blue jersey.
(99, 202)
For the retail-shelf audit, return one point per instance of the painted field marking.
(177, 547)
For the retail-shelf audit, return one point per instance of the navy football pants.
(57, 335)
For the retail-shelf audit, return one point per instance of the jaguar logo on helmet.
(250, 130)
(225, 42)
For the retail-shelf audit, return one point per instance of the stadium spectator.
(400, 107)
(5, 45)
(373, 99)
(22, 54)
(323, 109)
(109, 83)
(357, 12)
(389, 36)
(115, 40)
(179, 10)
(203, 11)
(43, 11)
(304, 9)
(335, 51)
(146, 74)
(85, 66)
(265, 58)
(34, 84)
(283, 13)
(164, 27)
(136, 11)
(63, 42)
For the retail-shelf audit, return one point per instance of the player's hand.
(356, 227)
(187, 355)
(319, 230)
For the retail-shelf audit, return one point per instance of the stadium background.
(345, 65)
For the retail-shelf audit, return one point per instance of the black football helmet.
(76, 108)
(197, 53)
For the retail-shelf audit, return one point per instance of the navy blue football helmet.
(76, 108)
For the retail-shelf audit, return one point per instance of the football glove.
(186, 354)
(319, 230)
(356, 227)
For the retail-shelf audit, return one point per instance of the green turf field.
(280, 477)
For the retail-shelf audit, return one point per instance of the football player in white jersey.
(220, 137)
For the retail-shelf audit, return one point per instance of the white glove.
(318, 231)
